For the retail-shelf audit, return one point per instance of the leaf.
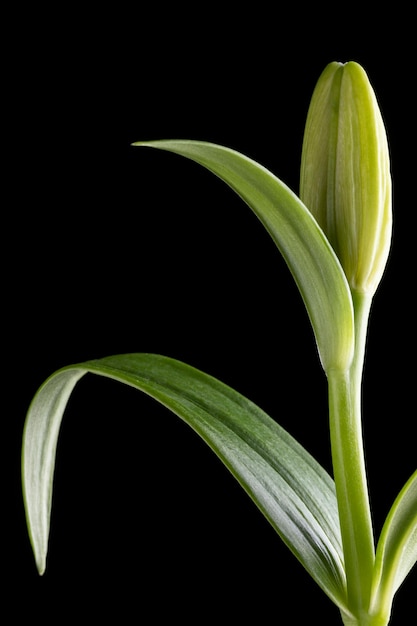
(397, 547)
(291, 489)
(301, 241)
(38, 454)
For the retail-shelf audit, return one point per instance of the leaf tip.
(40, 560)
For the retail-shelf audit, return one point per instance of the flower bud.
(345, 173)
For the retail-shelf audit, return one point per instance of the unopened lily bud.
(345, 173)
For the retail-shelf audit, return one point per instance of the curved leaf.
(292, 490)
(301, 241)
(40, 438)
(397, 547)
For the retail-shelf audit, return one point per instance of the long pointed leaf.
(293, 491)
(301, 241)
(38, 455)
(397, 547)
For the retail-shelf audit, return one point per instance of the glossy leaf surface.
(292, 490)
(397, 547)
(297, 235)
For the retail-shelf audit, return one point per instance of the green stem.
(349, 469)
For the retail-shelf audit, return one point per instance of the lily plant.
(335, 238)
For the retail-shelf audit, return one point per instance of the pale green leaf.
(300, 240)
(38, 455)
(397, 547)
(292, 490)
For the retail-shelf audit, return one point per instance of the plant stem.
(349, 468)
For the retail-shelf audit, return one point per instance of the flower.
(345, 173)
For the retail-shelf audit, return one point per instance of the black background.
(111, 249)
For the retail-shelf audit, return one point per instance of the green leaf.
(301, 241)
(291, 489)
(38, 455)
(397, 547)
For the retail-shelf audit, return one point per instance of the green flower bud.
(345, 173)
